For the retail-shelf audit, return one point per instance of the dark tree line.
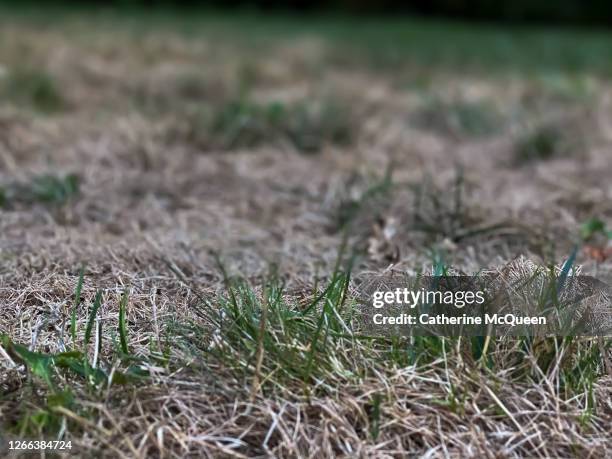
(559, 11)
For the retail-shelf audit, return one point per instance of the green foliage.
(33, 88)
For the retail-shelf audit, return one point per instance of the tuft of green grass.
(315, 346)
(52, 189)
(542, 143)
(242, 123)
(314, 330)
(245, 124)
(33, 88)
(274, 342)
(594, 226)
(46, 189)
(458, 118)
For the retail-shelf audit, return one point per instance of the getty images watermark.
(534, 304)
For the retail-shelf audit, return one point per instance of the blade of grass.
(77, 301)
(567, 266)
(92, 316)
(122, 323)
(260, 346)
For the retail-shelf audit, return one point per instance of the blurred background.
(282, 121)
(517, 11)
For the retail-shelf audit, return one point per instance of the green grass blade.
(77, 300)
(567, 266)
(92, 316)
(122, 323)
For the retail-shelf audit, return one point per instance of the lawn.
(190, 202)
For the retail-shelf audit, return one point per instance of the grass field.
(188, 204)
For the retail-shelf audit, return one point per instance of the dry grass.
(229, 369)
